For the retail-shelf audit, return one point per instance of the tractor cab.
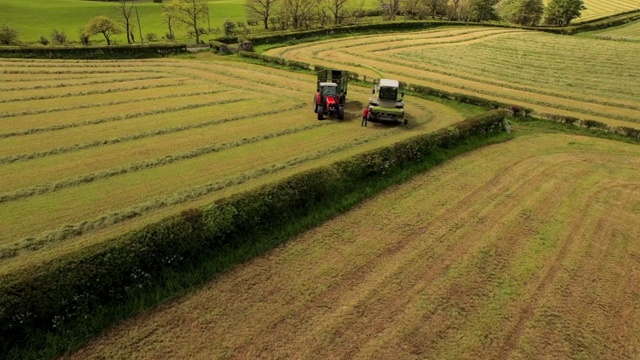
(328, 89)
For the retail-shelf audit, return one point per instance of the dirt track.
(528, 249)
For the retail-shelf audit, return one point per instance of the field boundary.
(56, 295)
(92, 52)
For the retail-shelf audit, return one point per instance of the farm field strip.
(523, 67)
(490, 262)
(92, 162)
(53, 92)
(436, 116)
(527, 82)
(176, 190)
(45, 107)
(54, 124)
(598, 8)
(75, 139)
(42, 187)
(405, 71)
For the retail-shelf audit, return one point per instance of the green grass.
(36, 18)
(629, 32)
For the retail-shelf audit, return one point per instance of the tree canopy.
(102, 25)
(561, 12)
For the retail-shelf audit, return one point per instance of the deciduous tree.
(188, 13)
(483, 10)
(125, 8)
(336, 8)
(561, 12)
(102, 25)
(261, 9)
(523, 12)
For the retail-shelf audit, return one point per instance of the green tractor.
(386, 103)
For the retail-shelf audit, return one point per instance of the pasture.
(520, 250)
(33, 19)
(92, 149)
(548, 73)
(36, 18)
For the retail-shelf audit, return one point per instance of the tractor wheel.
(320, 113)
(340, 113)
(406, 122)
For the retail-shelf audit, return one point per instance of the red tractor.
(331, 94)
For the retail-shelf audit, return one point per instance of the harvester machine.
(386, 103)
(331, 94)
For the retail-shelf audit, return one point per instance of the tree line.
(193, 15)
(305, 14)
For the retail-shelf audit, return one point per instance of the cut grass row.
(77, 173)
(190, 172)
(548, 73)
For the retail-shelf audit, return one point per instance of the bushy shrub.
(8, 36)
(43, 40)
(84, 38)
(229, 28)
(58, 37)
(152, 37)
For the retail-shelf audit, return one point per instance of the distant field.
(91, 149)
(627, 32)
(601, 8)
(527, 249)
(572, 76)
(36, 18)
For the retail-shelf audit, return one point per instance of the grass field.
(91, 149)
(33, 19)
(601, 8)
(626, 32)
(36, 18)
(546, 72)
(511, 251)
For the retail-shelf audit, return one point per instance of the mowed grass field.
(601, 8)
(629, 31)
(571, 76)
(92, 149)
(525, 249)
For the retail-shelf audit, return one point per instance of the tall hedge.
(92, 52)
(65, 289)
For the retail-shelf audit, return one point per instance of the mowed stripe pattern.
(526, 249)
(600, 8)
(87, 147)
(579, 77)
